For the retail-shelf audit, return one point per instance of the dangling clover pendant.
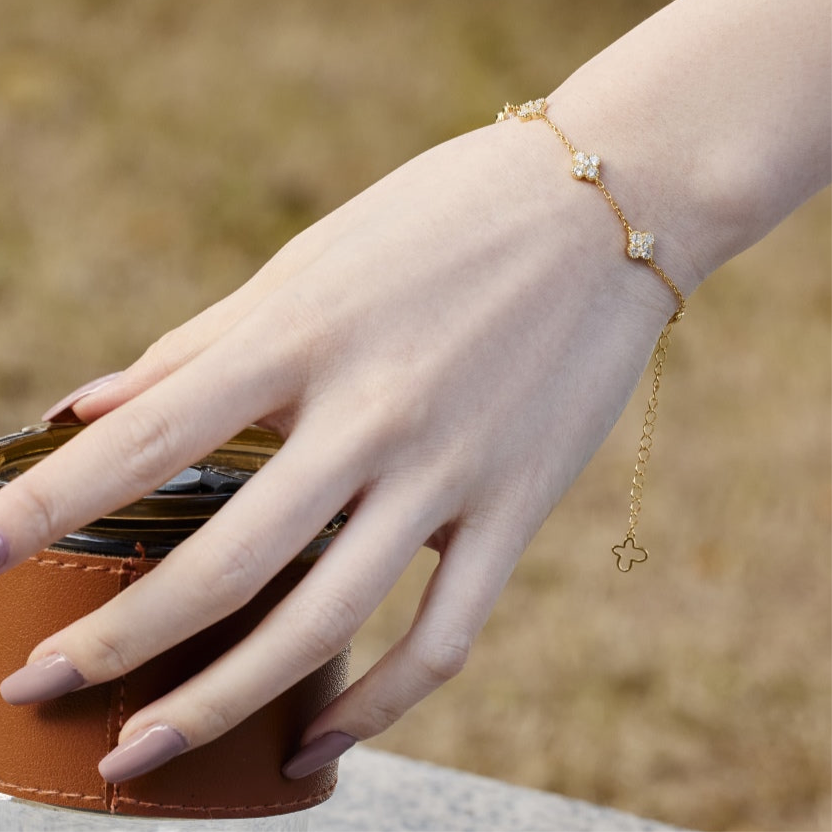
(628, 553)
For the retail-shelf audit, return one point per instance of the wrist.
(652, 188)
(579, 239)
(707, 147)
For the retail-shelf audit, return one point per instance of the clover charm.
(586, 166)
(525, 112)
(532, 109)
(628, 553)
(640, 245)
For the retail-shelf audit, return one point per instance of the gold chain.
(639, 247)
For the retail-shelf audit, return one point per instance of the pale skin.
(443, 354)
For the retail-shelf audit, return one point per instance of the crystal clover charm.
(585, 166)
(525, 112)
(640, 245)
(532, 109)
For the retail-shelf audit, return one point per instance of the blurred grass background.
(154, 154)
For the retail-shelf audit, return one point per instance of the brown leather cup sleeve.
(50, 752)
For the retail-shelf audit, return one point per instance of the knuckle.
(327, 622)
(42, 509)
(166, 353)
(393, 411)
(308, 338)
(231, 573)
(307, 322)
(145, 441)
(217, 716)
(381, 714)
(441, 656)
(106, 658)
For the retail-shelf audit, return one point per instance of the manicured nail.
(67, 402)
(51, 676)
(142, 753)
(317, 754)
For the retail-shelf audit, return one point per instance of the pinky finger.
(455, 605)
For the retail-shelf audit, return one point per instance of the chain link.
(646, 443)
(628, 552)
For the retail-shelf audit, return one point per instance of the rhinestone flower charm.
(525, 112)
(585, 166)
(532, 109)
(640, 245)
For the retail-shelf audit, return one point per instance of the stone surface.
(22, 816)
(379, 791)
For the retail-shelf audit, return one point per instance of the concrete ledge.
(380, 791)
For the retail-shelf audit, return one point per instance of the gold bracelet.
(639, 247)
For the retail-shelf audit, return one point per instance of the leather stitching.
(115, 797)
(133, 574)
(72, 565)
(128, 570)
(314, 798)
(51, 792)
(42, 561)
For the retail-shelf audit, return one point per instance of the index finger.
(127, 453)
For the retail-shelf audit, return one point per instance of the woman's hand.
(442, 355)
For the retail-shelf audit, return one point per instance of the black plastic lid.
(157, 523)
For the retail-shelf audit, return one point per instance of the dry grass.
(155, 153)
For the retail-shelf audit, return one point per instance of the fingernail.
(317, 754)
(51, 676)
(142, 753)
(67, 402)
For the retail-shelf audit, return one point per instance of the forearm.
(712, 120)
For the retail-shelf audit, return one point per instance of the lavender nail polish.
(317, 754)
(142, 753)
(66, 403)
(51, 676)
